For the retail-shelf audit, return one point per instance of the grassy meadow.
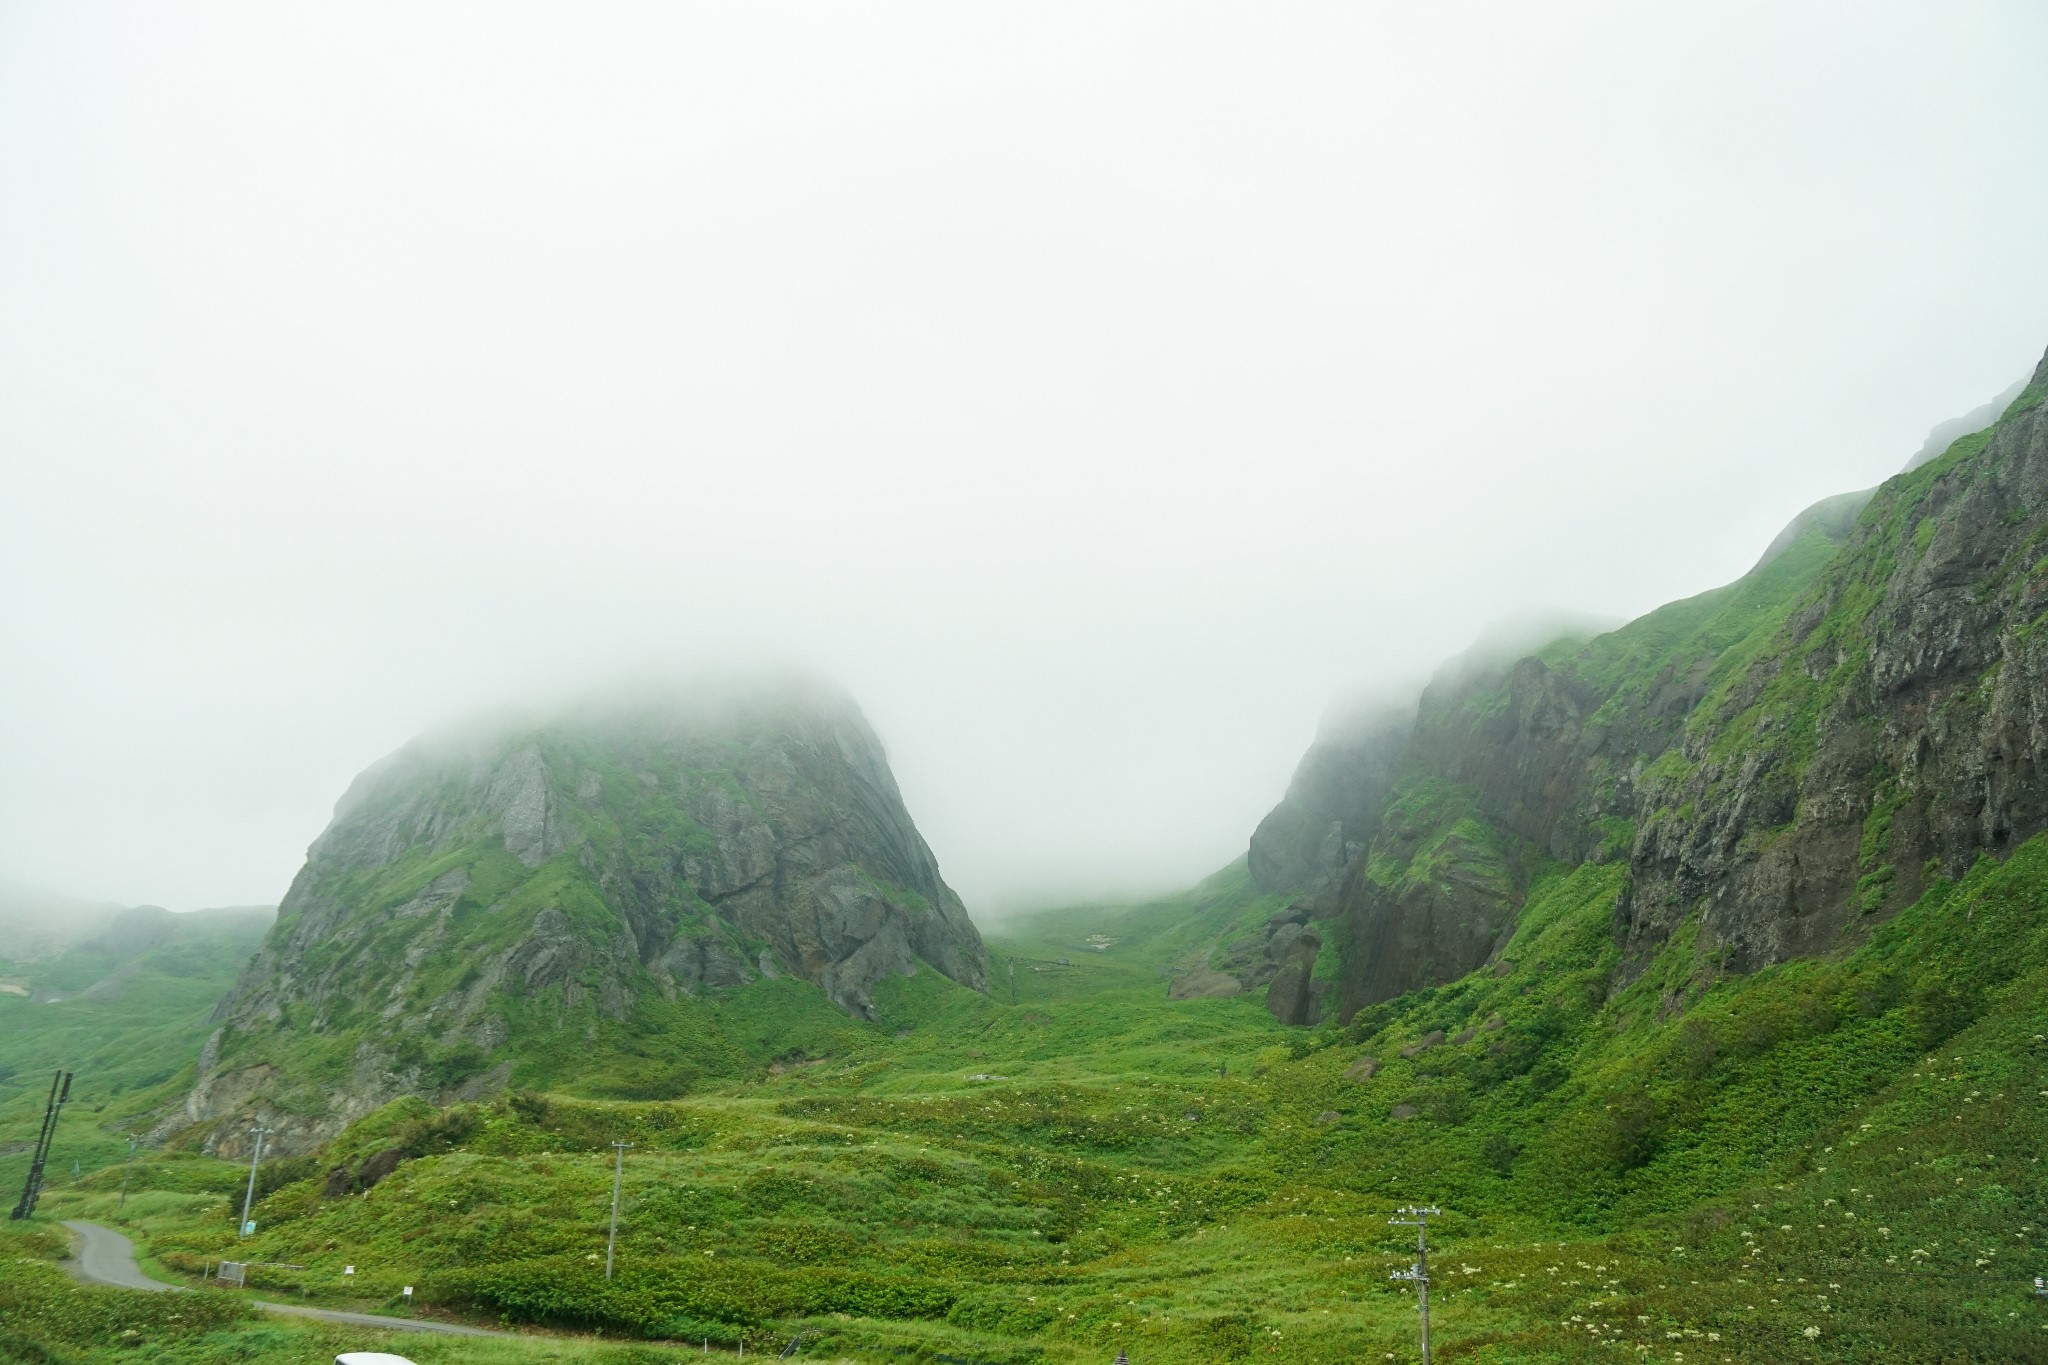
(1831, 1160)
(126, 1012)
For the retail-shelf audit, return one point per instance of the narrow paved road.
(106, 1257)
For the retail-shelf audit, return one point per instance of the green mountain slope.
(576, 904)
(1781, 764)
(1846, 1146)
(1699, 970)
(126, 1011)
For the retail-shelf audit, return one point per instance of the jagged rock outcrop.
(1332, 805)
(479, 897)
(1780, 761)
(1309, 845)
(1252, 961)
(1896, 731)
(1292, 997)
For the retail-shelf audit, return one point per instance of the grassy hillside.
(1828, 1160)
(126, 1011)
(1783, 764)
(567, 904)
(1642, 1151)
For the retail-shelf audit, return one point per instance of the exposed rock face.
(1255, 959)
(1780, 762)
(1307, 843)
(1204, 984)
(1898, 729)
(1293, 998)
(1333, 804)
(474, 894)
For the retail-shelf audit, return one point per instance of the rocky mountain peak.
(482, 894)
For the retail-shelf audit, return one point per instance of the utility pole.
(1418, 1218)
(618, 1173)
(1013, 980)
(259, 1132)
(123, 1202)
(32, 1188)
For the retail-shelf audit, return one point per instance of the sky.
(1097, 391)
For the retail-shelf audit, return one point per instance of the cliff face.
(1895, 728)
(481, 906)
(1781, 763)
(1332, 806)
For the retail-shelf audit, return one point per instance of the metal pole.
(1418, 1218)
(618, 1172)
(1422, 1283)
(249, 1199)
(36, 1170)
(27, 1205)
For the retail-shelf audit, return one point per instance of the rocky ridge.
(1782, 763)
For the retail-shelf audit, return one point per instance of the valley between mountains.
(1697, 969)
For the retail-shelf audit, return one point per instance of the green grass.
(1835, 1158)
(1190, 1181)
(132, 1015)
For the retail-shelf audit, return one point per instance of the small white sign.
(348, 1270)
(408, 1291)
(248, 1227)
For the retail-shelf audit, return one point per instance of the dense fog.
(1096, 392)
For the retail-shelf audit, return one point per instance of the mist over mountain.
(36, 923)
(1946, 434)
(992, 362)
(1448, 780)
(557, 900)
(1780, 763)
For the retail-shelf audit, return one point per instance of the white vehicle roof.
(370, 1358)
